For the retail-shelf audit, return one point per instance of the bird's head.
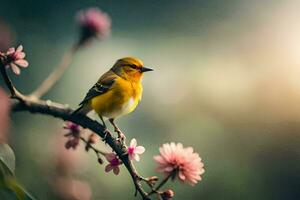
(130, 68)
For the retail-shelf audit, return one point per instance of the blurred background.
(226, 82)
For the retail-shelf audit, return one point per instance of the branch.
(90, 146)
(21, 102)
(13, 91)
(62, 112)
(57, 73)
(162, 183)
(33, 104)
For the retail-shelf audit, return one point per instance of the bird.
(116, 93)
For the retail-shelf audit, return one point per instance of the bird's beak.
(146, 69)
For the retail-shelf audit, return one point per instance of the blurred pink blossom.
(168, 194)
(114, 163)
(69, 188)
(4, 116)
(184, 162)
(14, 59)
(74, 128)
(66, 162)
(93, 138)
(6, 36)
(73, 134)
(134, 150)
(93, 23)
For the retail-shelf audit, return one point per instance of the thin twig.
(57, 73)
(97, 151)
(162, 183)
(13, 91)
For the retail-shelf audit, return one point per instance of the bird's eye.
(133, 66)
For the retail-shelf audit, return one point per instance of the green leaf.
(19, 191)
(10, 189)
(7, 159)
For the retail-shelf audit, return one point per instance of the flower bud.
(167, 195)
(152, 180)
(87, 147)
(93, 138)
(93, 24)
(100, 161)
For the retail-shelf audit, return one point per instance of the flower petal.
(20, 48)
(133, 142)
(20, 55)
(15, 69)
(109, 157)
(131, 156)
(139, 149)
(137, 157)
(108, 168)
(168, 169)
(22, 63)
(10, 50)
(116, 170)
(160, 160)
(181, 175)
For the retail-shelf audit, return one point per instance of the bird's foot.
(106, 133)
(121, 136)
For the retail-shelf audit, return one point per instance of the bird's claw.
(121, 136)
(106, 133)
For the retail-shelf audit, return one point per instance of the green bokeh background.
(226, 82)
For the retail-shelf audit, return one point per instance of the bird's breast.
(122, 99)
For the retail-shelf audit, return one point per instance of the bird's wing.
(103, 85)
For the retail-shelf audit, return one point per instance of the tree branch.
(34, 104)
(162, 183)
(21, 102)
(13, 91)
(62, 112)
(57, 73)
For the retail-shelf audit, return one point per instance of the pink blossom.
(168, 194)
(134, 150)
(93, 138)
(73, 135)
(70, 188)
(93, 23)
(14, 59)
(74, 128)
(185, 163)
(4, 115)
(6, 36)
(114, 163)
(72, 142)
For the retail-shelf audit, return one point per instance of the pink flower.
(72, 142)
(73, 135)
(74, 128)
(6, 36)
(4, 116)
(185, 163)
(93, 23)
(114, 163)
(134, 150)
(15, 59)
(67, 187)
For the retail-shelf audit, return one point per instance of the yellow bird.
(117, 92)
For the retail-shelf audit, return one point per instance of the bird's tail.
(83, 109)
